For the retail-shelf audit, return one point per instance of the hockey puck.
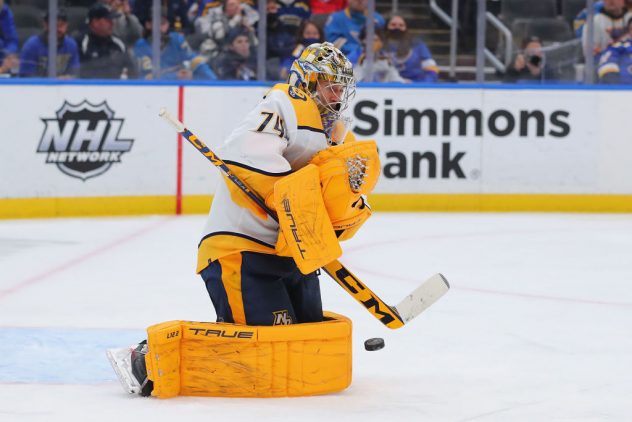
(374, 344)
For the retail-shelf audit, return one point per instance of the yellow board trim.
(501, 202)
(196, 204)
(12, 208)
(86, 206)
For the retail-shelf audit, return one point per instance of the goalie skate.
(121, 361)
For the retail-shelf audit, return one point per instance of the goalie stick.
(391, 316)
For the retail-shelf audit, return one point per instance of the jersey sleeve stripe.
(227, 233)
(310, 128)
(256, 170)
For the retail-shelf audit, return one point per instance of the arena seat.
(27, 15)
(320, 19)
(24, 32)
(510, 10)
(77, 17)
(38, 4)
(570, 8)
(549, 29)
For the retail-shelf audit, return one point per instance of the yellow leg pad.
(230, 360)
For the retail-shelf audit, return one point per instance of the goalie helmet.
(326, 75)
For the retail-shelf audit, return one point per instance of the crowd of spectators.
(217, 39)
(612, 38)
(207, 39)
(609, 50)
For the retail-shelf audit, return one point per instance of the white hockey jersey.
(280, 135)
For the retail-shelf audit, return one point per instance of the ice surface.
(537, 325)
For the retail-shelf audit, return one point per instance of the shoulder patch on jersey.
(305, 108)
(296, 93)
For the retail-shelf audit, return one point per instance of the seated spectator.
(101, 54)
(219, 21)
(284, 19)
(615, 64)
(528, 65)
(237, 60)
(199, 8)
(34, 55)
(609, 25)
(410, 57)
(126, 26)
(382, 70)
(177, 13)
(322, 7)
(177, 61)
(343, 28)
(8, 34)
(9, 66)
(308, 33)
(580, 20)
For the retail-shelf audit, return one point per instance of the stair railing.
(453, 24)
(506, 33)
(489, 55)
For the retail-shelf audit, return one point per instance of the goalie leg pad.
(229, 360)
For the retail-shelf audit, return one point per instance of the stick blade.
(422, 297)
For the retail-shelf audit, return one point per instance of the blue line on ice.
(60, 355)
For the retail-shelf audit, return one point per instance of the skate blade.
(121, 361)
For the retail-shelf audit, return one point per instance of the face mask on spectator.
(309, 41)
(617, 33)
(396, 34)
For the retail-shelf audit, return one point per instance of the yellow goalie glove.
(348, 172)
(323, 203)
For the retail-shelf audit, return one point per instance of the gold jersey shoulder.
(305, 108)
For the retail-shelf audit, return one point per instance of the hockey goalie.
(271, 337)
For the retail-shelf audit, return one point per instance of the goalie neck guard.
(326, 75)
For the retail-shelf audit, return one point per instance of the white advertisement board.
(86, 141)
(461, 140)
(211, 113)
(89, 140)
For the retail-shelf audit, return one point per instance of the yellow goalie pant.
(230, 360)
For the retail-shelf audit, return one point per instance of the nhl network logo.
(83, 140)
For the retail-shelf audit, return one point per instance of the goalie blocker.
(323, 203)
